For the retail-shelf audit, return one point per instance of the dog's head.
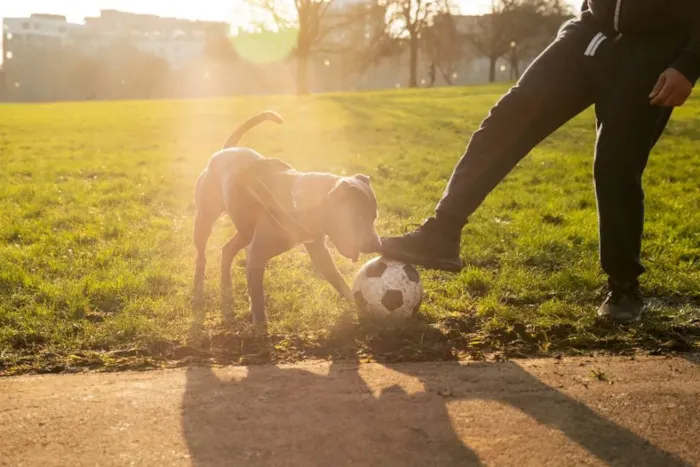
(351, 216)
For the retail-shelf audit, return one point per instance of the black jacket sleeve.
(688, 62)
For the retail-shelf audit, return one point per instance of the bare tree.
(374, 41)
(533, 24)
(443, 44)
(409, 19)
(314, 22)
(516, 29)
(490, 35)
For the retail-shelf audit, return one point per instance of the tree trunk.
(302, 73)
(492, 69)
(413, 82)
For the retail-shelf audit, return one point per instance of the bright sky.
(231, 11)
(76, 10)
(216, 10)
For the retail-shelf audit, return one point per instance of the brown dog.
(275, 208)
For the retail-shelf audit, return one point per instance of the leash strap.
(261, 193)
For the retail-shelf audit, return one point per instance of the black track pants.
(581, 67)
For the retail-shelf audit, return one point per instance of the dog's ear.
(355, 191)
(363, 178)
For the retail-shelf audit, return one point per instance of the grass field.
(96, 257)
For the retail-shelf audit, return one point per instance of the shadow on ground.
(345, 415)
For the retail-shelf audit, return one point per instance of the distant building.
(28, 40)
(175, 40)
(38, 29)
(178, 41)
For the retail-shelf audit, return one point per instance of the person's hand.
(671, 90)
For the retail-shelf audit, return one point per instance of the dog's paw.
(257, 316)
(259, 328)
(348, 295)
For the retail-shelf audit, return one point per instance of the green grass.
(97, 259)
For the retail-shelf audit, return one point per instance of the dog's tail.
(250, 124)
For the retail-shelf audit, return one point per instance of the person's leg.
(628, 128)
(556, 87)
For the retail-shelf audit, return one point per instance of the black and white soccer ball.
(385, 288)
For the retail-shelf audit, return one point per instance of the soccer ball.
(388, 289)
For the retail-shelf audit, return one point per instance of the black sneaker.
(433, 246)
(623, 304)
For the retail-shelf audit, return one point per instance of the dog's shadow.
(291, 416)
(348, 414)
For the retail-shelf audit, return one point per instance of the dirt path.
(595, 411)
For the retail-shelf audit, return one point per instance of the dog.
(275, 208)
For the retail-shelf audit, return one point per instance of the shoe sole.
(427, 263)
(621, 320)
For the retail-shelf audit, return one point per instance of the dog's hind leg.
(209, 207)
(228, 252)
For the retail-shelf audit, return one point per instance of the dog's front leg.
(266, 244)
(228, 252)
(323, 261)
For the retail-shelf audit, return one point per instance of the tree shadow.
(345, 414)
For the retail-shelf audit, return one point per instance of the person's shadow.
(348, 415)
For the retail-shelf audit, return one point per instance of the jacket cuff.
(689, 65)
